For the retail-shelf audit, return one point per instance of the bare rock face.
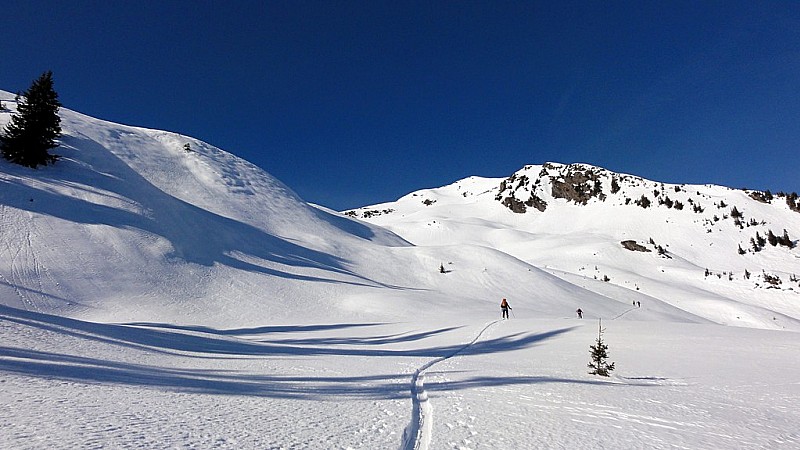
(514, 204)
(763, 197)
(634, 247)
(536, 202)
(578, 185)
(522, 184)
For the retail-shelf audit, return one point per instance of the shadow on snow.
(188, 342)
(196, 235)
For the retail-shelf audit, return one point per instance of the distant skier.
(505, 307)
(580, 313)
(638, 304)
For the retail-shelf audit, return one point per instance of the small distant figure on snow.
(638, 304)
(634, 303)
(441, 268)
(505, 307)
(580, 313)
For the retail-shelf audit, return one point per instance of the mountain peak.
(580, 220)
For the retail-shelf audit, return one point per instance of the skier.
(504, 306)
(580, 313)
(638, 304)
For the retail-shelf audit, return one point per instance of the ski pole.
(513, 315)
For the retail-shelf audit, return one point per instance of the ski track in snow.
(418, 433)
(625, 312)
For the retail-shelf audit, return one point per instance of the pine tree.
(599, 353)
(614, 186)
(35, 126)
(786, 240)
(772, 239)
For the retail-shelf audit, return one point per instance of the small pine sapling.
(599, 354)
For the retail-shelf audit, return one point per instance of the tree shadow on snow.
(255, 330)
(200, 345)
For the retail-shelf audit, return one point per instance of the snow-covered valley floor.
(522, 383)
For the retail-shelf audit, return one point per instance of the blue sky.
(355, 103)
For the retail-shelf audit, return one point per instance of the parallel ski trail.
(417, 435)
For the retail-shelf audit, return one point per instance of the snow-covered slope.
(153, 297)
(688, 246)
(128, 223)
(130, 226)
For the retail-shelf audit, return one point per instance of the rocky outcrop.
(577, 184)
(634, 246)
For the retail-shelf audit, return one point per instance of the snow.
(152, 297)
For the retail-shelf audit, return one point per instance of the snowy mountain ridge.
(131, 225)
(152, 222)
(707, 249)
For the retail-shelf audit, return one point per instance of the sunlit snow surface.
(156, 298)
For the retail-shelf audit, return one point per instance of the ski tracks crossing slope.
(418, 433)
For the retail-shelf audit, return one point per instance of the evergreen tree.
(791, 201)
(614, 186)
(599, 353)
(35, 126)
(785, 240)
(772, 239)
